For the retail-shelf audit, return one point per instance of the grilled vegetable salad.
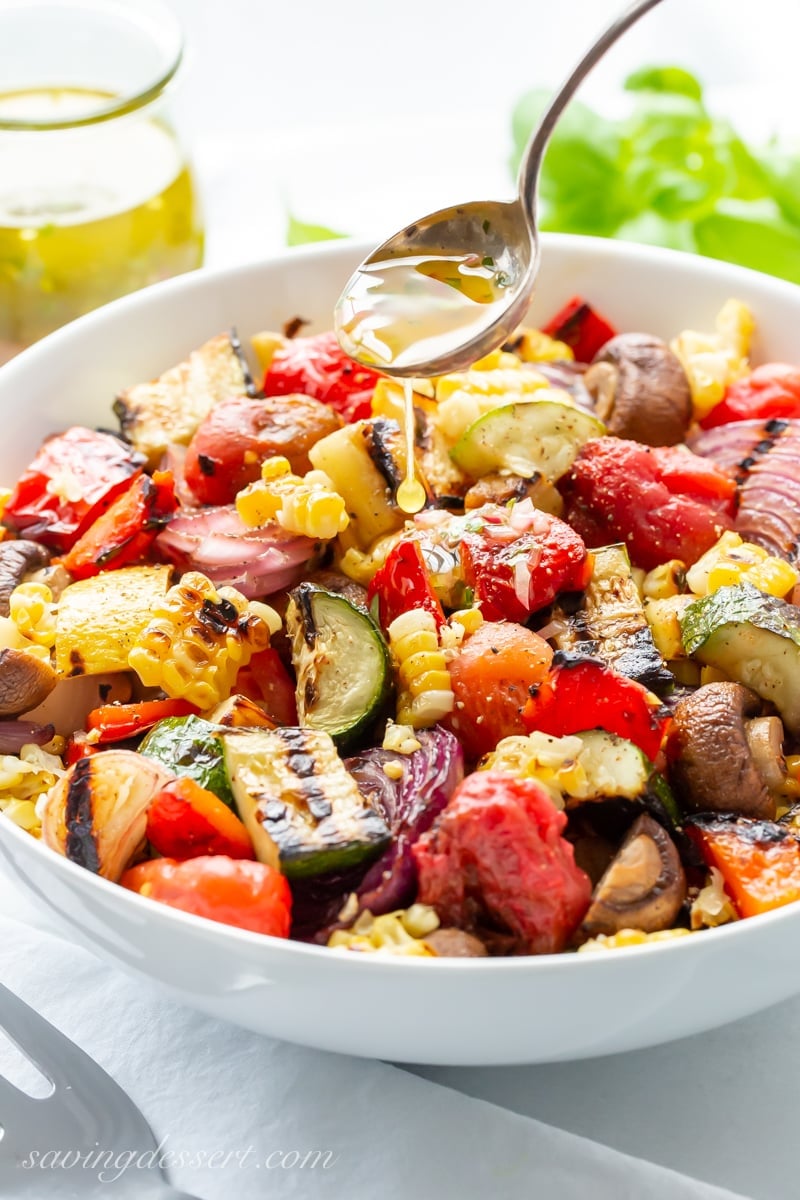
(557, 710)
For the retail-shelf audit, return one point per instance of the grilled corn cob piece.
(425, 693)
(307, 504)
(732, 561)
(196, 640)
(712, 361)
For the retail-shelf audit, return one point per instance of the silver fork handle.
(528, 177)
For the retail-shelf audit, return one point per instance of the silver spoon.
(437, 328)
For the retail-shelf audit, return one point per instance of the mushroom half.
(25, 681)
(725, 755)
(18, 559)
(643, 887)
(640, 390)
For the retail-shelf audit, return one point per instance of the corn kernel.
(665, 580)
(630, 937)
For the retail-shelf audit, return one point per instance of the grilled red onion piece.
(256, 561)
(16, 734)
(764, 459)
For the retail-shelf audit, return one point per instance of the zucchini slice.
(611, 623)
(754, 639)
(342, 663)
(190, 746)
(300, 805)
(616, 769)
(527, 437)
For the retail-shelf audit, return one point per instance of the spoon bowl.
(494, 232)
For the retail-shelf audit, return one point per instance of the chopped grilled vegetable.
(496, 860)
(403, 583)
(754, 639)
(590, 767)
(643, 887)
(75, 476)
(317, 366)
(124, 533)
(239, 433)
(99, 619)
(584, 693)
(25, 681)
(238, 712)
(196, 640)
(17, 559)
(492, 675)
(341, 661)
(266, 681)
(97, 814)
(249, 895)
(759, 860)
(170, 409)
(517, 560)
(583, 329)
(190, 746)
(610, 623)
(532, 436)
(117, 722)
(185, 820)
(301, 808)
(365, 465)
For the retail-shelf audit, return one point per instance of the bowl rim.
(200, 280)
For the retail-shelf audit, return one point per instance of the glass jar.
(96, 195)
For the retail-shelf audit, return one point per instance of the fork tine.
(38, 1040)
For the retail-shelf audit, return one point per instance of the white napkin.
(205, 1086)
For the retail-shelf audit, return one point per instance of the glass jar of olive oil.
(96, 194)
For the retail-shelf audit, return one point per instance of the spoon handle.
(528, 178)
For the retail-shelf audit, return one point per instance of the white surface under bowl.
(413, 1010)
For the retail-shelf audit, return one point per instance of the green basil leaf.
(300, 233)
(754, 234)
(664, 79)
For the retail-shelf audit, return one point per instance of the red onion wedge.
(16, 734)
(764, 459)
(216, 542)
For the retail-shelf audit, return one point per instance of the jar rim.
(152, 18)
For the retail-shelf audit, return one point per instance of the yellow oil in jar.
(404, 309)
(87, 212)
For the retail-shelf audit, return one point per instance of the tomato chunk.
(124, 533)
(238, 434)
(185, 820)
(519, 559)
(663, 502)
(497, 858)
(771, 392)
(317, 366)
(73, 479)
(759, 860)
(581, 694)
(491, 676)
(251, 895)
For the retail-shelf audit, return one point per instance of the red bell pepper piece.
(249, 895)
(78, 746)
(185, 820)
(759, 860)
(75, 477)
(403, 583)
(266, 681)
(124, 533)
(583, 330)
(583, 693)
(317, 366)
(771, 393)
(116, 722)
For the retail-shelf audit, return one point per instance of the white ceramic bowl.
(413, 1010)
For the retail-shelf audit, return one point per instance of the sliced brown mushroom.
(25, 681)
(455, 943)
(644, 886)
(723, 756)
(17, 559)
(640, 390)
